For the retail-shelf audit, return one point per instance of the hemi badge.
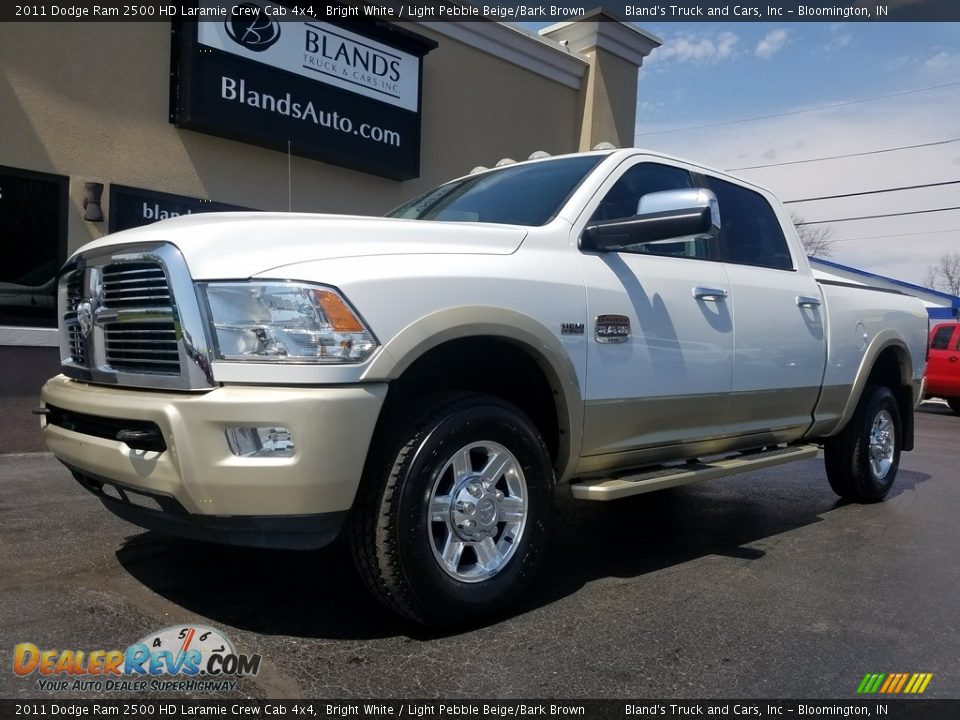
(571, 328)
(613, 328)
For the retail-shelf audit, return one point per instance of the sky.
(708, 76)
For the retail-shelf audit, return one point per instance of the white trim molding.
(537, 54)
(599, 29)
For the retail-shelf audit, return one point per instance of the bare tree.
(816, 239)
(945, 275)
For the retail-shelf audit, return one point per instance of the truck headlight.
(285, 322)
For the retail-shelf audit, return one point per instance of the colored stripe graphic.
(894, 683)
(903, 680)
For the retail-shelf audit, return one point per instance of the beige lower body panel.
(632, 433)
(331, 428)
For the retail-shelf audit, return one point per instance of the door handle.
(712, 294)
(808, 302)
(953, 359)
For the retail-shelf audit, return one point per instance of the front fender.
(545, 348)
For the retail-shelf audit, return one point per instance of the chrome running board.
(662, 477)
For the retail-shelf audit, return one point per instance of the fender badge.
(613, 328)
(571, 328)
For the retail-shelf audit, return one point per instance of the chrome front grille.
(128, 285)
(75, 343)
(130, 316)
(142, 347)
(132, 346)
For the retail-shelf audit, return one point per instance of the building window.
(33, 244)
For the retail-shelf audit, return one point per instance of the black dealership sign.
(132, 207)
(348, 94)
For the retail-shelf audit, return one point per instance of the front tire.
(454, 510)
(862, 461)
(954, 404)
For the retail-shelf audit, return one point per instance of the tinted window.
(750, 233)
(622, 199)
(529, 194)
(33, 220)
(941, 338)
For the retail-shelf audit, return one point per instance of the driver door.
(667, 381)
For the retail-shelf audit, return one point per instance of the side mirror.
(667, 216)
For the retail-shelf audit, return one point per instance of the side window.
(941, 338)
(622, 199)
(33, 243)
(750, 232)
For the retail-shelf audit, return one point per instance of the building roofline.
(595, 13)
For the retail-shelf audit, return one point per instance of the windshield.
(516, 195)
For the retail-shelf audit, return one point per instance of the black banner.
(508, 10)
(918, 709)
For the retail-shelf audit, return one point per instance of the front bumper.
(196, 486)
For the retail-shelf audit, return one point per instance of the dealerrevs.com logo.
(250, 27)
(181, 658)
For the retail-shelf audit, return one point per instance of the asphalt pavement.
(762, 585)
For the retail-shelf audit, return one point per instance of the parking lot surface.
(762, 585)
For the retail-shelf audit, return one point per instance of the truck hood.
(241, 244)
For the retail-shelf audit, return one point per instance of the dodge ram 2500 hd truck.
(619, 321)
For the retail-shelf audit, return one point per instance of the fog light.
(260, 442)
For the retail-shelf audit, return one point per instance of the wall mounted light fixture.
(92, 192)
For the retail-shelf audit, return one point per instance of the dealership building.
(107, 126)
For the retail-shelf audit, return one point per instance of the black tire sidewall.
(870, 488)
(441, 594)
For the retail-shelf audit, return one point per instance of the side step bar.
(663, 477)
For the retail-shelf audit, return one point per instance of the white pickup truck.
(617, 321)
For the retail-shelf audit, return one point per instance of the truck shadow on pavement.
(318, 594)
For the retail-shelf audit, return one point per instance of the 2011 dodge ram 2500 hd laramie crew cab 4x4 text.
(618, 320)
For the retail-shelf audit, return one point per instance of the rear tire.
(954, 404)
(454, 509)
(862, 460)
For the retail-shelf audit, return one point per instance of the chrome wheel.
(478, 511)
(882, 444)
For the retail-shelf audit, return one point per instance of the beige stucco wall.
(90, 101)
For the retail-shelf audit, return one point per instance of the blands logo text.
(328, 52)
(239, 91)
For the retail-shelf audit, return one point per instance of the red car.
(943, 364)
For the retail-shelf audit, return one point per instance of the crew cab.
(618, 321)
(943, 364)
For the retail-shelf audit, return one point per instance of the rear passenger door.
(779, 343)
